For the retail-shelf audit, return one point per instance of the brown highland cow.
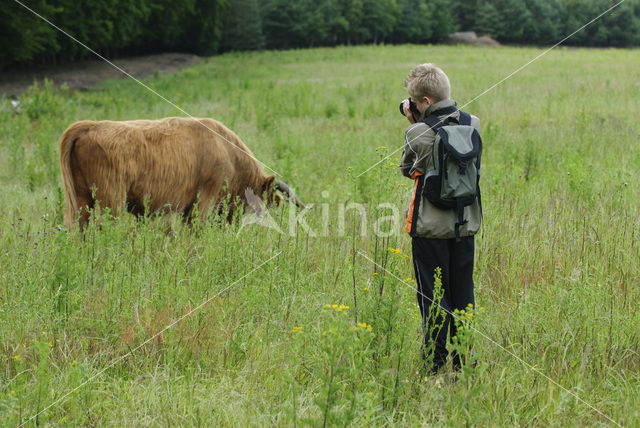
(168, 164)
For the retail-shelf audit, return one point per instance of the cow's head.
(271, 185)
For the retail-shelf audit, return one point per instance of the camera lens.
(413, 108)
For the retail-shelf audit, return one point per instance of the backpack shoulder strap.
(465, 119)
(434, 122)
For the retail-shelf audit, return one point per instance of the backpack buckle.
(462, 167)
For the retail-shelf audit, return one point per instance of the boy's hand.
(407, 111)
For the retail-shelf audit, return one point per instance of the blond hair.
(428, 80)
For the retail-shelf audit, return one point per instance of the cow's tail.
(67, 143)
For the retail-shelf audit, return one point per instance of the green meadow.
(317, 323)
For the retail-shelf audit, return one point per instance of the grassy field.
(557, 271)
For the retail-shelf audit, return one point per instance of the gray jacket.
(424, 220)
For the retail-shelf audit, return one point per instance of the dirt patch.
(83, 75)
(470, 38)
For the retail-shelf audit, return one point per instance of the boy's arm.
(418, 145)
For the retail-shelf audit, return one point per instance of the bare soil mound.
(470, 38)
(83, 75)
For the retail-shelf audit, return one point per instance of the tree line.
(127, 27)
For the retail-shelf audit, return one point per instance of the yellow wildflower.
(365, 289)
(16, 358)
(337, 307)
(364, 325)
(375, 274)
(296, 329)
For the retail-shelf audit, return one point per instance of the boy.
(433, 230)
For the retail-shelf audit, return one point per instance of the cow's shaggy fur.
(165, 165)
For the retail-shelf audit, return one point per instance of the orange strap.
(415, 176)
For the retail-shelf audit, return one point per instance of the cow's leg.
(187, 213)
(208, 194)
(86, 204)
(204, 205)
(113, 196)
(209, 200)
(233, 206)
(101, 183)
(108, 189)
(83, 192)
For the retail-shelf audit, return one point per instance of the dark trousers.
(455, 259)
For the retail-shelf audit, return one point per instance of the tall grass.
(321, 335)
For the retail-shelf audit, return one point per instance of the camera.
(412, 107)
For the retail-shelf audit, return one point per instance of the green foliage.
(435, 318)
(546, 22)
(243, 28)
(284, 23)
(43, 102)
(350, 29)
(442, 20)
(516, 16)
(465, 13)
(488, 21)
(206, 27)
(23, 35)
(379, 18)
(414, 25)
(545, 25)
(109, 27)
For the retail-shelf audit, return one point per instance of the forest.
(118, 28)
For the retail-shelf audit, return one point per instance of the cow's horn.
(291, 195)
